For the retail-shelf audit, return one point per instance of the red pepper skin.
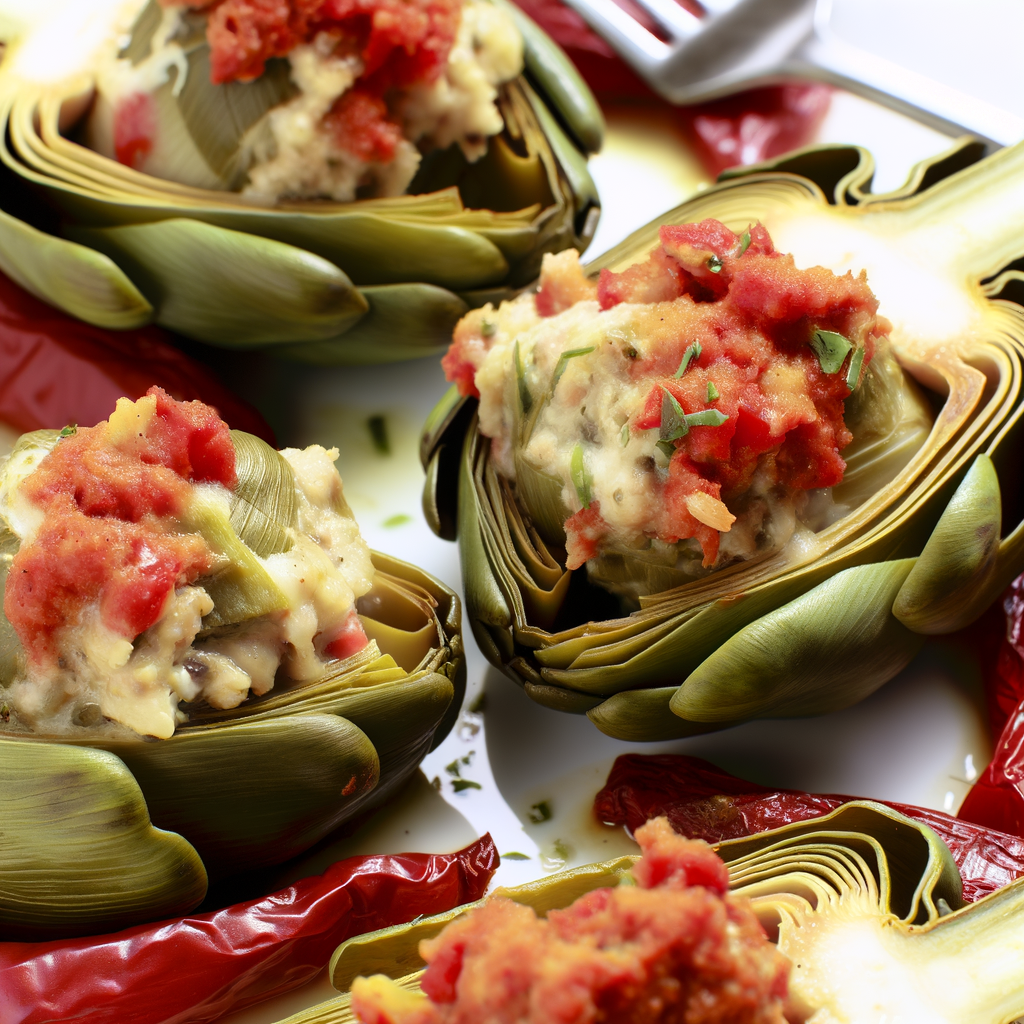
(194, 969)
(55, 370)
(997, 799)
(703, 802)
(745, 128)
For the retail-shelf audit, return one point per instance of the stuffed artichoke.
(204, 669)
(861, 893)
(819, 598)
(337, 181)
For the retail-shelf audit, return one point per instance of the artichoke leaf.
(263, 504)
(403, 321)
(645, 715)
(84, 283)
(230, 288)
(218, 116)
(431, 239)
(282, 809)
(401, 620)
(78, 854)
(826, 650)
(962, 347)
(862, 892)
(241, 588)
(958, 558)
(562, 87)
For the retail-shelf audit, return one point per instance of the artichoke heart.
(161, 561)
(312, 106)
(338, 183)
(864, 903)
(738, 444)
(687, 413)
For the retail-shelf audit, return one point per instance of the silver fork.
(737, 44)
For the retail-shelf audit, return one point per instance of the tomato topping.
(350, 639)
(134, 129)
(110, 495)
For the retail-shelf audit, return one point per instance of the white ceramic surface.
(921, 739)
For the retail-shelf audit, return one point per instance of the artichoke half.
(369, 281)
(865, 903)
(102, 832)
(925, 551)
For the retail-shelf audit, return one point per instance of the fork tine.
(714, 7)
(640, 48)
(673, 16)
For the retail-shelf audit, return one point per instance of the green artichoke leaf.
(241, 588)
(245, 795)
(958, 558)
(573, 164)
(218, 116)
(823, 651)
(404, 321)
(394, 951)
(86, 284)
(78, 853)
(230, 288)
(555, 77)
(263, 505)
(638, 716)
(860, 892)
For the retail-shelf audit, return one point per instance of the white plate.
(921, 739)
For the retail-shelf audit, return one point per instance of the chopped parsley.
(692, 352)
(831, 349)
(581, 478)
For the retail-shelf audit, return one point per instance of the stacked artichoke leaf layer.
(860, 893)
(369, 281)
(933, 536)
(106, 830)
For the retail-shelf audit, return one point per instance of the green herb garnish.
(676, 424)
(378, 427)
(514, 855)
(69, 431)
(488, 328)
(624, 435)
(714, 264)
(525, 398)
(744, 243)
(853, 372)
(667, 448)
(692, 352)
(831, 349)
(540, 812)
(673, 418)
(706, 418)
(581, 478)
(460, 785)
(563, 361)
(713, 395)
(399, 519)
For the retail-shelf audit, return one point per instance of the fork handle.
(825, 57)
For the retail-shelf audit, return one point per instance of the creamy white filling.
(591, 404)
(140, 683)
(291, 153)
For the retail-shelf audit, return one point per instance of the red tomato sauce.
(746, 314)
(673, 947)
(110, 498)
(400, 42)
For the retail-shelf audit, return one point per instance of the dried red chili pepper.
(703, 802)
(56, 370)
(997, 799)
(193, 970)
(746, 128)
